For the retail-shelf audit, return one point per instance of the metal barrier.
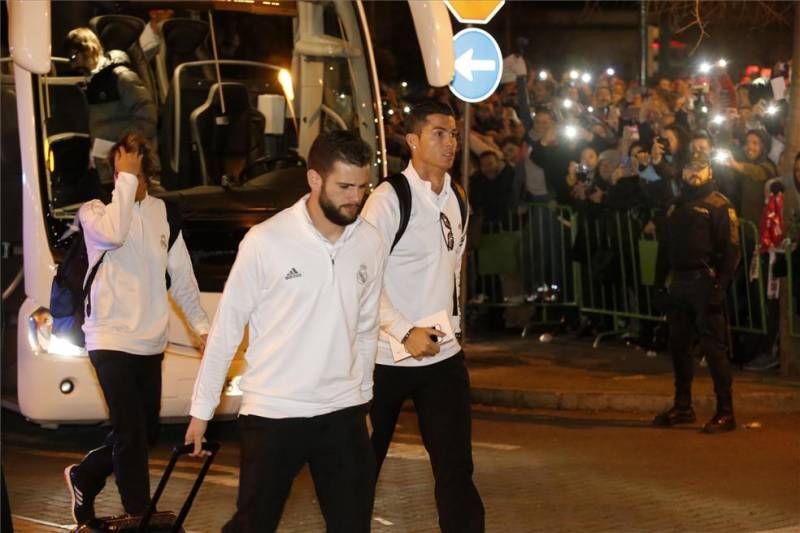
(598, 262)
(612, 281)
(524, 260)
(747, 309)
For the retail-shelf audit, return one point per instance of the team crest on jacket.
(361, 276)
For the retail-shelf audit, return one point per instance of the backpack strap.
(88, 285)
(403, 191)
(461, 196)
(175, 221)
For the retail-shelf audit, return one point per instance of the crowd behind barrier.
(571, 178)
(610, 270)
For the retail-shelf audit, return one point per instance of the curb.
(750, 402)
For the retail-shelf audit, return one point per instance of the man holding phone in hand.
(422, 279)
(307, 284)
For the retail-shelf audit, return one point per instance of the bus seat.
(182, 40)
(121, 32)
(225, 144)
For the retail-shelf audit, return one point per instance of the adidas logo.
(293, 273)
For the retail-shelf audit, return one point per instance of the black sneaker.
(720, 423)
(82, 497)
(675, 415)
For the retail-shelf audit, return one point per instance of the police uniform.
(701, 251)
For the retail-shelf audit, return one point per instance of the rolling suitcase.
(153, 521)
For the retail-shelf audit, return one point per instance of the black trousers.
(337, 449)
(132, 388)
(690, 315)
(441, 397)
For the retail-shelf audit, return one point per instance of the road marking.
(68, 527)
(475, 444)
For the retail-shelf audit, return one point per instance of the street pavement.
(569, 374)
(568, 468)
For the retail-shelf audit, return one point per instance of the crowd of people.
(599, 143)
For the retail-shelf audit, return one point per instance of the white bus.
(285, 70)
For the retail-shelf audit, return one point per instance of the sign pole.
(465, 183)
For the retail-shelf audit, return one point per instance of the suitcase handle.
(177, 452)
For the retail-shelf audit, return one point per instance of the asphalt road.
(536, 470)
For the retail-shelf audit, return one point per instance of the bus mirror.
(435, 33)
(29, 34)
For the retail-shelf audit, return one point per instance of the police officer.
(701, 251)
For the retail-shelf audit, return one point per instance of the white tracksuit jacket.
(129, 304)
(312, 312)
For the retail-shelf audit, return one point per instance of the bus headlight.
(41, 338)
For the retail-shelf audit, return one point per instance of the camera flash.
(704, 68)
(567, 103)
(573, 74)
(586, 77)
(721, 156)
(772, 109)
(722, 63)
(718, 119)
(590, 109)
(610, 71)
(570, 132)
(704, 109)
(542, 75)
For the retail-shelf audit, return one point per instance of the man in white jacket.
(422, 280)
(127, 314)
(307, 284)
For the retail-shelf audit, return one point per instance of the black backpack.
(403, 190)
(69, 292)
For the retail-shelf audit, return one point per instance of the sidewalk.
(570, 374)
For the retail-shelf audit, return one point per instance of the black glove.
(661, 300)
(718, 297)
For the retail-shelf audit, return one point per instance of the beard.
(336, 214)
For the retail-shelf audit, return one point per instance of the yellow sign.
(474, 11)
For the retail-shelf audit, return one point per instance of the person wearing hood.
(701, 251)
(752, 171)
(119, 102)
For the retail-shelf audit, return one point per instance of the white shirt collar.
(302, 209)
(424, 187)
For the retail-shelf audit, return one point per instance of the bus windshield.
(237, 95)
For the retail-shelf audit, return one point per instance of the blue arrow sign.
(479, 65)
